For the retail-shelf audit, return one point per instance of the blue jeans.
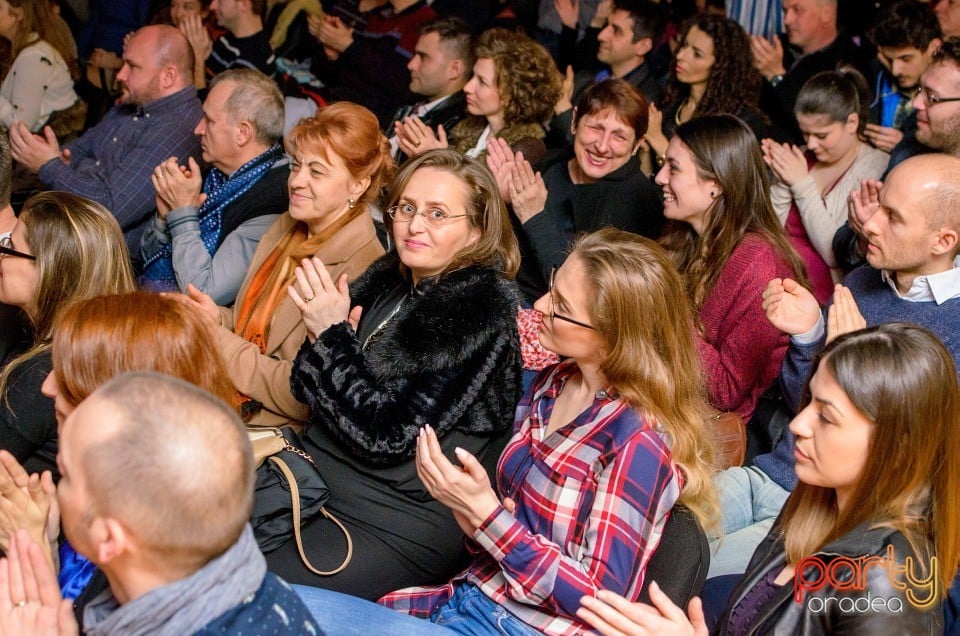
(468, 611)
(749, 503)
(343, 615)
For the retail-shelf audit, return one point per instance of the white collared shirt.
(938, 288)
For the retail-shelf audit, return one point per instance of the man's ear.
(111, 538)
(243, 133)
(455, 69)
(945, 242)
(168, 76)
(642, 46)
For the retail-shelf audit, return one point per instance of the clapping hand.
(414, 136)
(883, 138)
(27, 502)
(466, 489)
(613, 615)
(334, 35)
(790, 307)
(528, 192)
(501, 160)
(569, 11)
(566, 93)
(177, 186)
(32, 151)
(30, 601)
(321, 302)
(198, 37)
(787, 161)
(863, 202)
(767, 56)
(843, 316)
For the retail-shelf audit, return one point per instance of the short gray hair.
(255, 98)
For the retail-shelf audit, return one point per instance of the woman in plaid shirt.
(604, 445)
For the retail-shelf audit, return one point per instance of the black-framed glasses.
(553, 306)
(933, 100)
(6, 249)
(434, 217)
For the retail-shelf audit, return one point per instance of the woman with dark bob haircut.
(600, 185)
(514, 88)
(427, 335)
(869, 540)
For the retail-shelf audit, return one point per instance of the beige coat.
(266, 377)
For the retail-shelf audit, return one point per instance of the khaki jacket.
(266, 377)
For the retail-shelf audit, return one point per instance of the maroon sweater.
(740, 349)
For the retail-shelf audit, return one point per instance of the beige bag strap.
(295, 496)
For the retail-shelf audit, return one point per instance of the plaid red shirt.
(592, 499)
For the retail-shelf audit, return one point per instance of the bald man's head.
(157, 62)
(168, 460)
(935, 180)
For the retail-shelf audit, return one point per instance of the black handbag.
(289, 490)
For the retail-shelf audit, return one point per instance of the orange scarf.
(269, 285)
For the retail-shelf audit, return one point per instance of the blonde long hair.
(80, 253)
(642, 312)
(901, 378)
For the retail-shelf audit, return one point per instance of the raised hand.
(321, 302)
(501, 161)
(790, 307)
(863, 202)
(414, 136)
(30, 601)
(604, 9)
(613, 615)
(334, 34)
(785, 160)
(176, 186)
(843, 316)
(192, 27)
(657, 141)
(566, 91)
(528, 192)
(466, 490)
(767, 56)
(569, 11)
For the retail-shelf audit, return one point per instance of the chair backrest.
(680, 563)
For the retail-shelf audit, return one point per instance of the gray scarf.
(185, 606)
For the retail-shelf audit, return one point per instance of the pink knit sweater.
(741, 350)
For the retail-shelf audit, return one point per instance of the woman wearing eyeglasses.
(427, 335)
(604, 445)
(63, 248)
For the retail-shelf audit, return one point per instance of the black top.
(450, 357)
(625, 199)
(28, 424)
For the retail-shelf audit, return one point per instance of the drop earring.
(351, 202)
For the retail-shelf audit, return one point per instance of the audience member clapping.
(426, 336)
(589, 476)
(601, 185)
(727, 244)
(207, 228)
(63, 248)
(813, 183)
(513, 90)
(171, 558)
(711, 75)
(340, 162)
(870, 391)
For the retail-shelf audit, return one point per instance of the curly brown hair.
(526, 76)
(733, 80)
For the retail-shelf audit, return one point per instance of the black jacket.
(784, 615)
(449, 358)
(625, 199)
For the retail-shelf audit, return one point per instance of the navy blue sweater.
(878, 304)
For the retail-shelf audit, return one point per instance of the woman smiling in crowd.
(727, 244)
(877, 479)
(601, 185)
(426, 336)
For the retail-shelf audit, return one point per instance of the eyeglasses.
(553, 312)
(433, 217)
(6, 249)
(933, 100)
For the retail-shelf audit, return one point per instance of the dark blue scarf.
(221, 191)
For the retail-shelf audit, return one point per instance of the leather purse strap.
(295, 497)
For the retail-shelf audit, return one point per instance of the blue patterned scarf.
(221, 191)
